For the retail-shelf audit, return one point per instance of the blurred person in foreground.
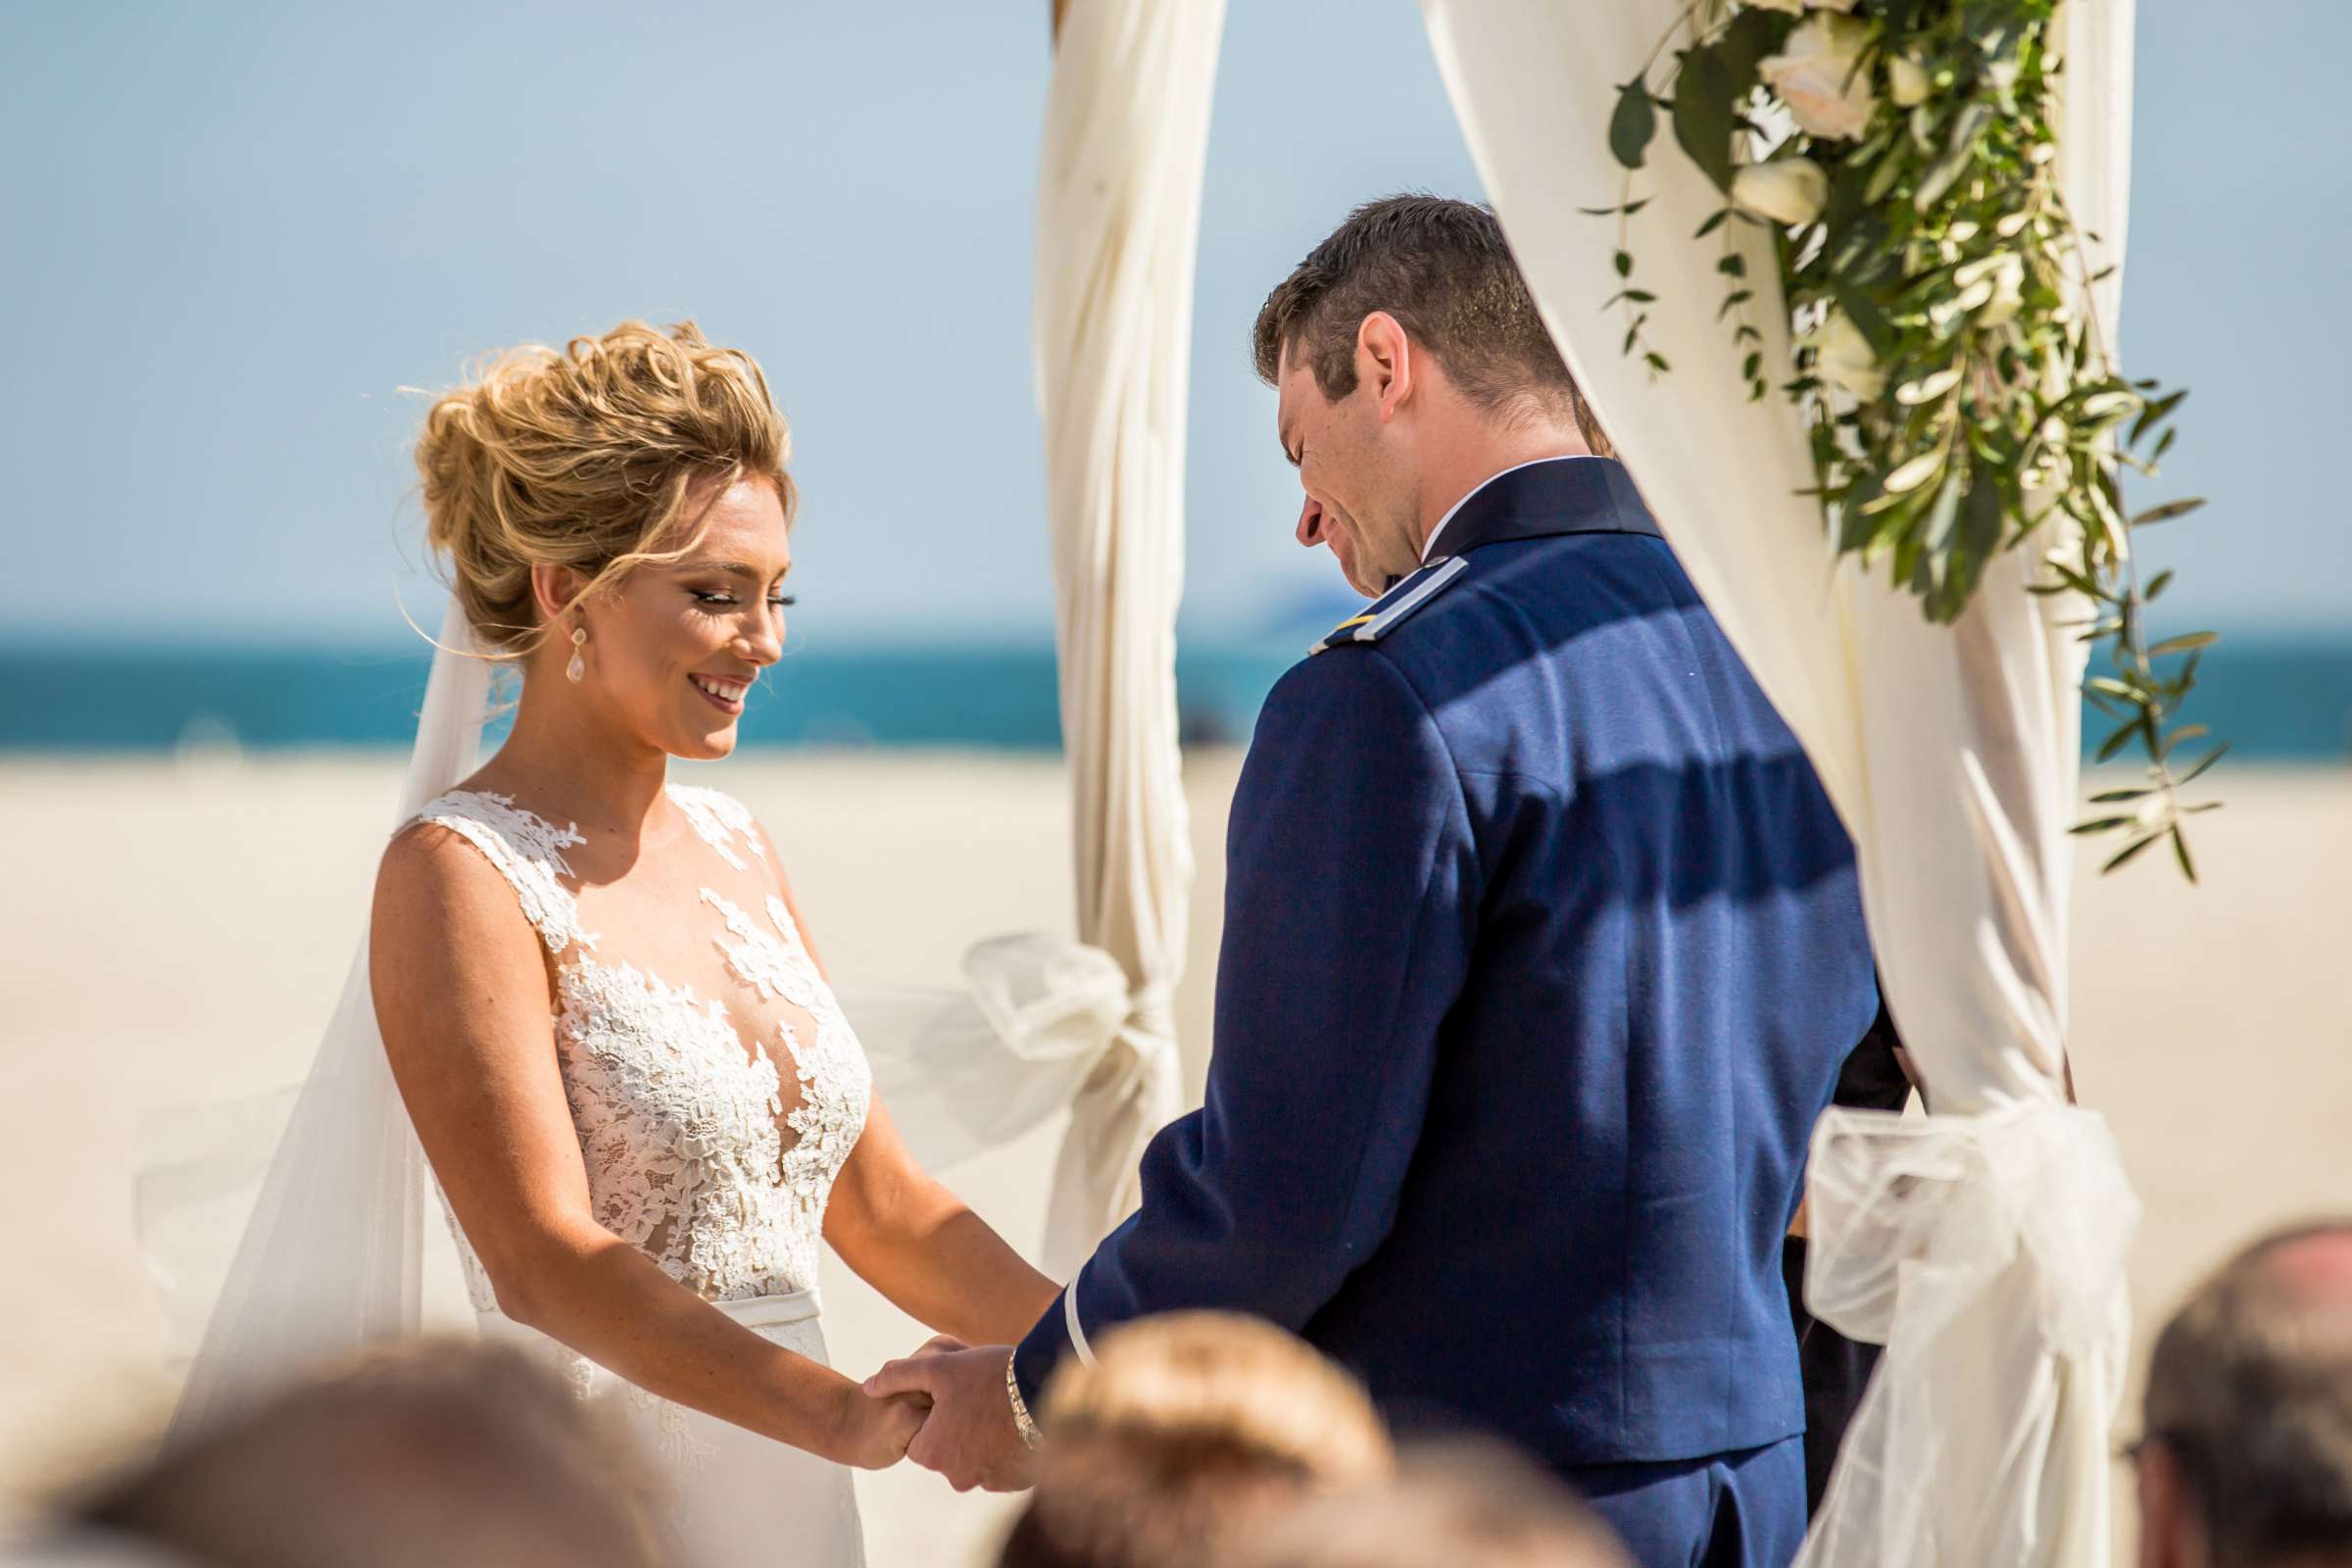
(1189, 1433)
(439, 1451)
(2245, 1454)
(1461, 1504)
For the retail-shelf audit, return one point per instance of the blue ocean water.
(2275, 698)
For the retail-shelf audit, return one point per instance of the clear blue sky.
(234, 231)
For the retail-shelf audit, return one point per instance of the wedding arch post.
(1119, 223)
(1983, 1245)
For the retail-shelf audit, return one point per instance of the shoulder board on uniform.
(1386, 613)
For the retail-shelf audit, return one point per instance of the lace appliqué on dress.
(718, 820)
(528, 850)
(836, 1081)
(682, 1123)
(677, 1441)
(678, 1127)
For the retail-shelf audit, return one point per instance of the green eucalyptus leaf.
(2184, 643)
(2203, 763)
(1960, 150)
(1703, 112)
(1634, 123)
(2074, 579)
(2154, 413)
(1883, 178)
(1981, 521)
(1752, 34)
(1944, 514)
(2130, 850)
(1866, 315)
(2167, 513)
(2105, 407)
(1856, 527)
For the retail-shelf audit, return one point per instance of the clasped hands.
(967, 1434)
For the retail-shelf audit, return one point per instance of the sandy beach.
(175, 932)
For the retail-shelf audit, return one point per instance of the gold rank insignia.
(1384, 613)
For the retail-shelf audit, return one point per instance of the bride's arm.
(918, 1244)
(462, 998)
(911, 1238)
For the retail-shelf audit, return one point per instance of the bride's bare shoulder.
(436, 888)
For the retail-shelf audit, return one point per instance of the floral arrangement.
(1957, 387)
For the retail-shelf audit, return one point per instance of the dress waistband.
(757, 1312)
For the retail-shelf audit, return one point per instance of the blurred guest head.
(2245, 1459)
(1187, 1433)
(438, 1451)
(1461, 1504)
(1410, 363)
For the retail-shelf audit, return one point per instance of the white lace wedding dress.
(698, 1149)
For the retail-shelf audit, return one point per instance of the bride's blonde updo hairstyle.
(597, 458)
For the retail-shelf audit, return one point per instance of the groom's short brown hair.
(1444, 271)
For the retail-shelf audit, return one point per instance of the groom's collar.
(1538, 500)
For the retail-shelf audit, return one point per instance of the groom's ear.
(1384, 363)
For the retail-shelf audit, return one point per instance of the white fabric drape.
(1118, 220)
(1984, 1245)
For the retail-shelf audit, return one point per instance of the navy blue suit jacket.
(1542, 950)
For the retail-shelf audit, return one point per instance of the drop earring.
(578, 670)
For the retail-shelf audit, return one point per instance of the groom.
(1542, 948)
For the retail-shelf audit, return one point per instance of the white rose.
(1907, 80)
(1843, 357)
(1817, 79)
(1792, 7)
(1787, 190)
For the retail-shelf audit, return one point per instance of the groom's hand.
(971, 1437)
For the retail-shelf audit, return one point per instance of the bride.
(600, 1002)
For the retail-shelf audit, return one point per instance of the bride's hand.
(871, 1434)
